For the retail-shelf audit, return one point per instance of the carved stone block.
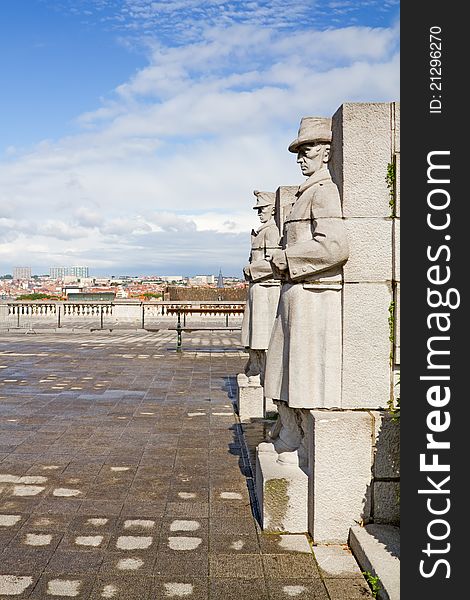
(250, 399)
(387, 502)
(282, 493)
(366, 345)
(340, 472)
(370, 250)
(361, 151)
(386, 446)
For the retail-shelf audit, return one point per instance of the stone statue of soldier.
(263, 291)
(303, 363)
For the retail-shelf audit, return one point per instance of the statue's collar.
(263, 226)
(322, 175)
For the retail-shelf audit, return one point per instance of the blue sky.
(134, 131)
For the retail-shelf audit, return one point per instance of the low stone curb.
(377, 550)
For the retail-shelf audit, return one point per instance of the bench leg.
(179, 341)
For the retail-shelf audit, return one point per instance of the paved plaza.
(125, 474)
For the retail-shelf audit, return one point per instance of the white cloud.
(183, 20)
(162, 175)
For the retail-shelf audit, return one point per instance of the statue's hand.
(278, 258)
(246, 272)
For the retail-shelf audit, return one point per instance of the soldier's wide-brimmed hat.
(312, 130)
(264, 198)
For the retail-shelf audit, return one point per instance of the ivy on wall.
(391, 179)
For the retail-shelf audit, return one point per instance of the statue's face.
(265, 213)
(312, 157)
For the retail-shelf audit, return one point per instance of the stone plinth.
(340, 473)
(282, 493)
(250, 399)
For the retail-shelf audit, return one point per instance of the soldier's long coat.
(303, 363)
(263, 291)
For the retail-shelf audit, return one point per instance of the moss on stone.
(277, 499)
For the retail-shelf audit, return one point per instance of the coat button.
(294, 272)
(304, 269)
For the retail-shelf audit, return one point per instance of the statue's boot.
(302, 415)
(286, 435)
(289, 459)
(273, 433)
(285, 455)
(254, 365)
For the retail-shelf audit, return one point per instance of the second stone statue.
(264, 288)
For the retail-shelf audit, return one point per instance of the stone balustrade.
(120, 313)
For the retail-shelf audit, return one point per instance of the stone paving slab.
(125, 474)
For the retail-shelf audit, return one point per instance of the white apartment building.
(62, 272)
(22, 273)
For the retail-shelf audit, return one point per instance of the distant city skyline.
(133, 132)
(79, 271)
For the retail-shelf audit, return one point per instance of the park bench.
(218, 310)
